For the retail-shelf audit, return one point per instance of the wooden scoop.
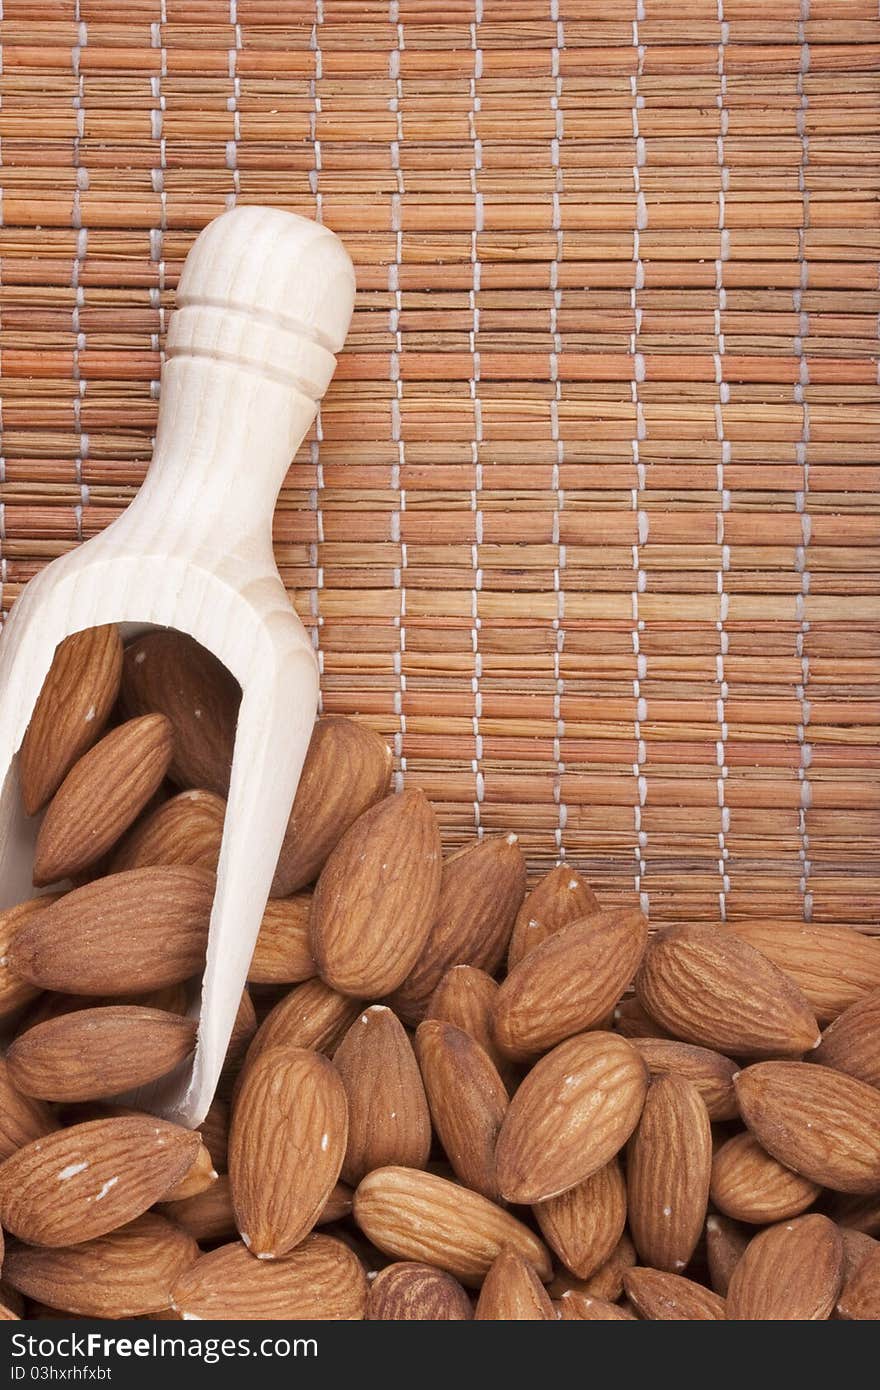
(264, 303)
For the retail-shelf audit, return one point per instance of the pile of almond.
(442, 1098)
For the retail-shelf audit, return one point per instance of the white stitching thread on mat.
(555, 306)
(157, 180)
(724, 446)
(394, 269)
(641, 516)
(479, 784)
(801, 454)
(316, 493)
(232, 106)
(82, 241)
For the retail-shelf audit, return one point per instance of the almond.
(15, 992)
(417, 1216)
(750, 1185)
(377, 897)
(481, 890)
(22, 1119)
(388, 1120)
(468, 1102)
(852, 1042)
(709, 987)
(858, 1213)
(197, 1179)
(322, 1279)
(791, 1272)
(660, 1295)
(122, 1274)
(292, 1104)
(569, 982)
(860, 1297)
(75, 1184)
(188, 829)
(409, 1292)
(819, 1122)
(606, 1282)
(465, 997)
(282, 955)
(214, 1130)
(725, 1243)
(130, 932)
(709, 1071)
(169, 673)
(94, 1053)
(313, 1015)
(207, 1216)
(71, 711)
(346, 771)
(559, 898)
(583, 1225)
(512, 1292)
(583, 1307)
(572, 1114)
(631, 1020)
(668, 1169)
(244, 1030)
(832, 966)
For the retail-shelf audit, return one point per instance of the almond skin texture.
(119, 1275)
(214, 1130)
(196, 1179)
(15, 992)
(388, 1120)
(852, 1042)
(170, 673)
(409, 1292)
(377, 897)
(94, 1053)
(481, 890)
(313, 1015)
(631, 1020)
(606, 1282)
(207, 1216)
(468, 1102)
(709, 1071)
(789, 1273)
(750, 1185)
(101, 796)
(70, 714)
(282, 955)
(76, 1184)
(559, 898)
(857, 1213)
(860, 1298)
(321, 1279)
(708, 987)
(575, 1110)
(725, 1244)
(583, 1307)
(188, 829)
(569, 982)
(661, 1296)
(465, 997)
(832, 966)
(346, 771)
(583, 1226)
(512, 1292)
(824, 1125)
(291, 1105)
(417, 1216)
(22, 1119)
(668, 1169)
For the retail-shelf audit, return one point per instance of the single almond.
(574, 1111)
(208, 1215)
(22, 1119)
(512, 1292)
(15, 992)
(709, 1071)
(605, 1282)
(312, 1015)
(833, 966)
(188, 829)
(71, 711)
(282, 955)
(169, 673)
(857, 1247)
(244, 1030)
(559, 898)
(821, 1123)
(468, 1102)
(130, 932)
(632, 1020)
(197, 1179)
(583, 1225)
(388, 1119)
(669, 1164)
(574, 1306)
(569, 982)
(750, 1185)
(291, 1104)
(660, 1295)
(465, 997)
(75, 1184)
(852, 1042)
(791, 1272)
(123, 1274)
(481, 890)
(413, 1215)
(860, 1296)
(94, 1053)
(321, 1278)
(214, 1130)
(346, 771)
(709, 987)
(725, 1243)
(858, 1213)
(410, 1292)
(377, 896)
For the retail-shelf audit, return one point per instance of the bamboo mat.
(588, 524)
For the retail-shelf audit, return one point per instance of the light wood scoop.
(263, 306)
